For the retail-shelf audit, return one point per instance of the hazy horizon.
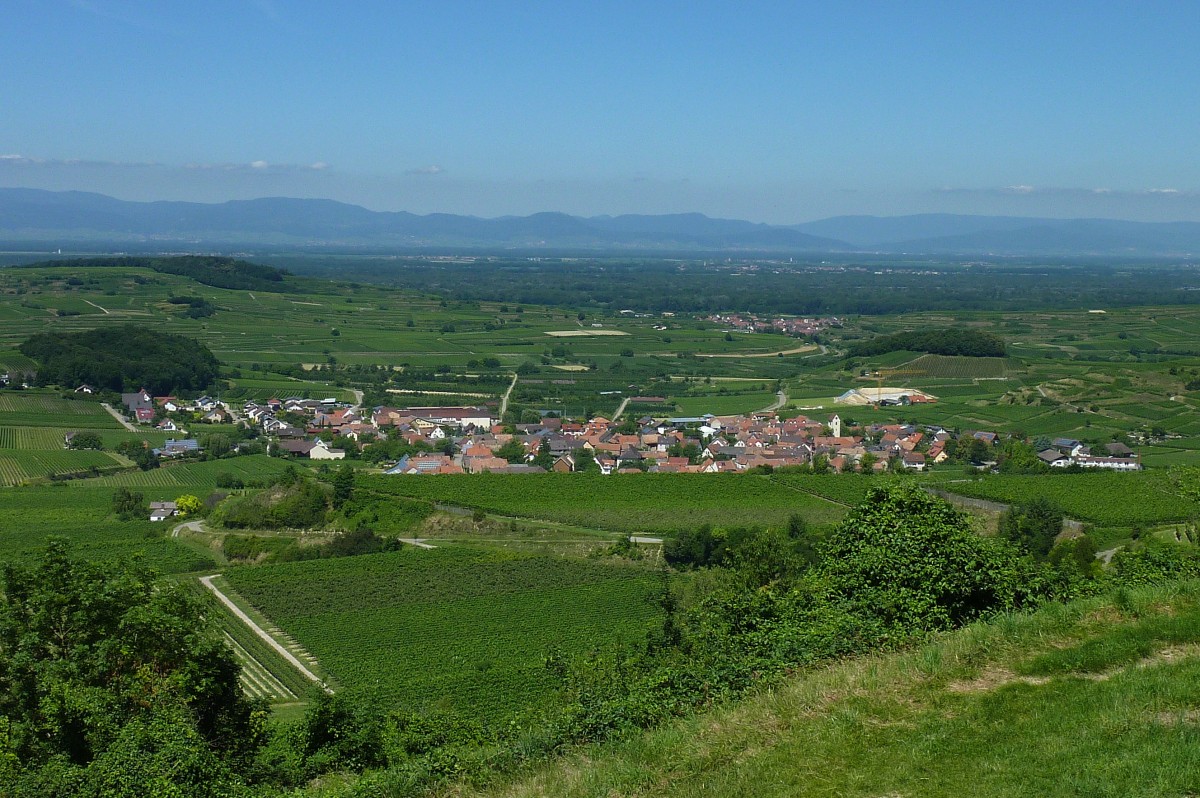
(774, 113)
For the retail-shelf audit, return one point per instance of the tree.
(114, 684)
(513, 451)
(188, 504)
(87, 439)
(912, 562)
(129, 506)
(343, 486)
(544, 458)
(1032, 526)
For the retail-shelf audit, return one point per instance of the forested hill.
(949, 341)
(216, 271)
(125, 358)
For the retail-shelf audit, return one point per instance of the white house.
(321, 451)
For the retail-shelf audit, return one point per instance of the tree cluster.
(211, 270)
(948, 341)
(124, 358)
(112, 684)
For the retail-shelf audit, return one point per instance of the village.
(469, 440)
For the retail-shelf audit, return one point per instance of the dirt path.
(508, 393)
(262, 633)
(621, 408)
(796, 351)
(97, 307)
(120, 418)
(418, 542)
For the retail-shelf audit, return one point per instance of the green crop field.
(946, 367)
(17, 466)
(37, 409)
(32, 515)
(456, 630)
(622, 503)
(193, 475)
(1108, 498)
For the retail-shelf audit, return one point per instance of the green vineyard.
(17, 466)
(451, 629)
(194, 475)
(622, 503)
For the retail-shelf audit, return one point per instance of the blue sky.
(778, 112)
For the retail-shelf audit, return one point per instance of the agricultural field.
(44, 409)
(31, 515)
(456, 630)
(655, 503)
(192, 475)
(18, 466)
(1107, 499)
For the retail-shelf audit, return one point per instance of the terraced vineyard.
(194, 475)
(955, 367)
(451, 629)
(1108, 499)
(39, 409)
(17, 466)
(623, 503)
(29, 516)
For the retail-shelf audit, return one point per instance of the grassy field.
(1096, 698)
(460, 630)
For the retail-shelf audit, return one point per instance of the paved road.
(781, 399)
(194, 527)
(508, 393)
(120, 418)
(262, 633)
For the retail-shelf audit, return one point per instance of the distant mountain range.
(32, 215)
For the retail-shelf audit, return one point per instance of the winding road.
(781, 399)
(195, 527)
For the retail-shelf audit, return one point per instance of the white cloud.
(432, 169)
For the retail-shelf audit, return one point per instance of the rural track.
(120, 418)
(508, 393)
(781, 399)
(621, 408)
(97, 307)
(195, 527)
(262, 633)
(418, 542)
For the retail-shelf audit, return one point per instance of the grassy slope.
(1097, 698)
